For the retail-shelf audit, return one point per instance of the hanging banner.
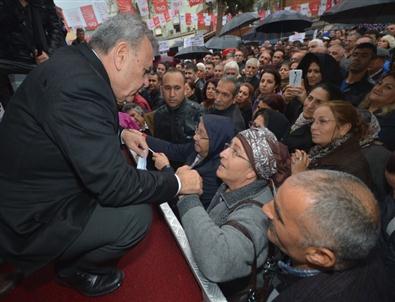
(262, 14)
(195, 2)
(166, 14)
(143, 7)
(160, 6)
(176, 5)
(314, 6)
(162, 20)
(328, 4)
(214, 21)
(150, 24)
(125, 6)
(89, 16)
(74, 17)
(100, 9)
(156, 21)
(163, 46)
(188, 19)
(194, 20)
(200, 20)
(304, 9)
(207, 19)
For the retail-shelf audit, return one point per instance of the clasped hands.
(191, 182)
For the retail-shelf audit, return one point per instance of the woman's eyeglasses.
(234, 152)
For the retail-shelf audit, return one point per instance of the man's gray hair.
(344, 214)
(233, 80)
(122, 27)
(234, 65)
(253, 61)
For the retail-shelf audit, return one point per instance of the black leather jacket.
(19, 29)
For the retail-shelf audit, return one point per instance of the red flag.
(214, 20)
(167, 15)
(314, 6)
(188, 19)
(328, 4)
(160, 6)
(200, 20)
(195, 2)
(125, 6)
(90, 18)
(156, 21)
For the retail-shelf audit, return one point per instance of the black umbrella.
(223, 42)
(238, 22)
(284, 21)
(192, 52)
(361, 11)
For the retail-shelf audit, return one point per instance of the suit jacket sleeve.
(82, 121)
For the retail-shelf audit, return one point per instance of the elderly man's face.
(224, 95)
(190, 75)
(284, 213)
(250, 70)
(239, 56)
(264, 59)
(391, 29)
(278, 57)
(126, 67)
(235, 168)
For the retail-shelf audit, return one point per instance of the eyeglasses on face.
(234, 152)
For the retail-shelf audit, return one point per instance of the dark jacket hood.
(220, 130)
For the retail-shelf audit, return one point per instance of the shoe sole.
(102, 293)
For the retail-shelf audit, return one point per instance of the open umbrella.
(361, 11)
(192, 52)
(223, 42)
(238, 22)
(284, 21)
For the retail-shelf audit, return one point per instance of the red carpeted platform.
(155, 270)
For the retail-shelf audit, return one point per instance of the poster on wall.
(89, 16)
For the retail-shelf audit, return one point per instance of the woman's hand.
(160, 160)
(291, 92)
(299, 161)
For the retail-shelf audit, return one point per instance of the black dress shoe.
(91, 284)
(8, 281)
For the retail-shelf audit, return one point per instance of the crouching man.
(328, 223)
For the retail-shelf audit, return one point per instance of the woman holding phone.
(314, 68)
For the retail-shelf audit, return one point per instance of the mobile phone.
(295, 77)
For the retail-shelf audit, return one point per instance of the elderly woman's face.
(383, 93)
(383, 43)
(325, 129)
(234, 167)
(201, 139)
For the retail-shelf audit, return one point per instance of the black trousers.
(109, 233)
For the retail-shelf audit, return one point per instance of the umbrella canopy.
(238, 22)
(284, 21)
(361, 11)
(223, 42)
(192, 52)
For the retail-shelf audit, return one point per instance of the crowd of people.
(286, 185)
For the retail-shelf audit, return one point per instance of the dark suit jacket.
(60, 157)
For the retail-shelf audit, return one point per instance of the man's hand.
(135, 140)
(41, 58)
(191, 182)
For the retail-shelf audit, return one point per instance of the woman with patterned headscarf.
(223, 250)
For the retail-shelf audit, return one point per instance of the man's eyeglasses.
(199, 133)
(234, 152)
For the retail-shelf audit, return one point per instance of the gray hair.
(253, 61)
(344, 214)
(232, 64)
(233, 80)
(129, 106)
(122, 27)
(319, 42)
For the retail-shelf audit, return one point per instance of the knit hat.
(257, 144)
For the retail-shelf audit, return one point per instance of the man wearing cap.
(224, 254)
(376, 67)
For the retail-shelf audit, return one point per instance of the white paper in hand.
(142, 163)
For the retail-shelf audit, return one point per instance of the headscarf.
(257, 143)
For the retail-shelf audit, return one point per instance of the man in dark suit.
(66, 192)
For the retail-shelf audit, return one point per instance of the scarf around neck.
(317, 151)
